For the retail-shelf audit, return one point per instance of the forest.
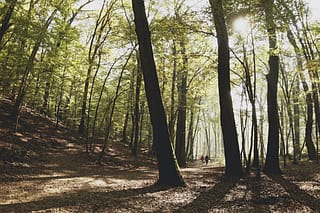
(111, 106)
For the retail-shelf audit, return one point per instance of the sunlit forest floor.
(44, 169)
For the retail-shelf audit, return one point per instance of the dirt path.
(66, 181)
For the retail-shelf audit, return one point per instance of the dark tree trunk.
(23, 83)
(5, 22)
(190, 141)
(272, 158)
(230, 138)
(124, 129)
(296, 120)
(180, 148)
(44, 108)
(169, 173)
(84, 100)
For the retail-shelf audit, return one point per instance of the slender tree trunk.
(88, 140)
(60, 97)
(272, 159)
(287, 102)
(137, 108)
(190, 141)
(125, 126)
(113, 104)
(96, 42)
(180, 147)
(172, 118)
(169, 173)
(281, 132)
(84, 100)
(308, 132)
(261, 133)
(24, 81)
(230, 138)
(296, 121)
(98, 105)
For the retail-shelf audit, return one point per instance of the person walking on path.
(207, 159)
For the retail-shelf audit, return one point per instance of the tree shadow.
(210, 199)
(85, 200)
(297, 194)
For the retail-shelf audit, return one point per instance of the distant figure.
(207, 159)
(202, 159)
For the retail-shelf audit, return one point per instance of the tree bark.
(180, 148)
(172, 117)
(169, 173)
(272, 158)
(137, 108)
(230, 138)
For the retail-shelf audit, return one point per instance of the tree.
(29, 66)
(272, 158)
(96, 41)
(230, 138)
(5, 22)
(169, 173)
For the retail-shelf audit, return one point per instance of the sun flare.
(241, 25)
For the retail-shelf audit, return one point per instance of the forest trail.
(44, 169)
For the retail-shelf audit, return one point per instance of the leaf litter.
(44, 169)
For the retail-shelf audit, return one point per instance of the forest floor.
(45, 169)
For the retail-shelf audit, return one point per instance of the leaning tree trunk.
(169, 173)
(230, 138)
(272, 159)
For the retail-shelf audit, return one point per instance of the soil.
(44, 168)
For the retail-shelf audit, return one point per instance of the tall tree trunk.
(180, 147)
(60, 98)
(169, 173)
(84, 100)
(296, 120)
(89, 143)
(230, 138)
(190, 141)
(137, 107)
(272, 159)
(172, 118)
